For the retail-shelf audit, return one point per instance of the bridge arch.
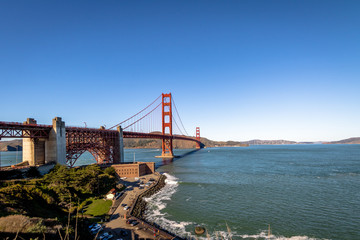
(103, 144)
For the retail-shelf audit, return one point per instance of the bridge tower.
(167, 142)
(198, 137)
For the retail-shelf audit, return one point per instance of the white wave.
(171, 179)
(264, 235)
(157, 202)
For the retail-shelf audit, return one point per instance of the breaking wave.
(158, 202)
(264, 235)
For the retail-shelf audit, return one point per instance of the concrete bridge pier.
(33, 148)
(55, 146)
(121, 142)
(37, 151)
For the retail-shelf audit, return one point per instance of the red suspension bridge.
(49, 143)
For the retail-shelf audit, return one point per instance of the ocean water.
(303, 191)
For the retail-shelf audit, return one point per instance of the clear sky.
(240, 70)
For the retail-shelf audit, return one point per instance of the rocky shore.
(140, 207)
(140, 204)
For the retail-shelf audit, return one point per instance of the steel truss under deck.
(102, 144)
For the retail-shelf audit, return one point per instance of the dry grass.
(24, 224)
(16, 223)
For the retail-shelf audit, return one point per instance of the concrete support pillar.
(28, 151)
(121, 142)
(33, 149)
(55, 146)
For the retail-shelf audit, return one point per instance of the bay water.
(301, 191)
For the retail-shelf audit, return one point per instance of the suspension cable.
(136, 113)
(178, 126)
(179, 116)
(143, 116)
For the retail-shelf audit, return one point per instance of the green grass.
(98, 207)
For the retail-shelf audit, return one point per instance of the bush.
(55, 191)
(110, 171)
(38, 227)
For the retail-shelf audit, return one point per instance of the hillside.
(48, 206)
(270, 142)
(14, 145)
(354, 140)
(139, 143)
(181, 144)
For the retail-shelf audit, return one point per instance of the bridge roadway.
(158, 136)
(49, 143)
(23, 130)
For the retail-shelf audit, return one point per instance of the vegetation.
(58, 193)
(98, 207)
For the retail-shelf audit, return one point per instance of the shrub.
(110, 171)
(38, 227)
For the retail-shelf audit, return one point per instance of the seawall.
(139, 207)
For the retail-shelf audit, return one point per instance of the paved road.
(117, 223)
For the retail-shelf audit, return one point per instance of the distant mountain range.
(354, 140)
(15, 145)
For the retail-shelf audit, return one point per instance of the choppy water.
(302, 191)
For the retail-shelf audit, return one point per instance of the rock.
(199, 230)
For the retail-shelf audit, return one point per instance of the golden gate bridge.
(63, 144)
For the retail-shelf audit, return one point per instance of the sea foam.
(264, 235)
(158, 202)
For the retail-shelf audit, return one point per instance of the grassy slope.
(98, 207)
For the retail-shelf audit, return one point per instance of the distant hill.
(178, 144)
(354, 140)
(140, 143)
(181, 144)
(270, 142)
(14, 145)
(211, 143)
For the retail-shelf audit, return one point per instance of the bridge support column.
(167, 142)
(55, 146)
(33, 148)
(121, 144)
(198, 137)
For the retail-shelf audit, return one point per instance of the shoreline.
(139, 208)
(134, 198)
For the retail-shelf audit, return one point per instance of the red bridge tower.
(198, 137)
(167, 142)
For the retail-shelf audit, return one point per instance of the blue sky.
(240, 70)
